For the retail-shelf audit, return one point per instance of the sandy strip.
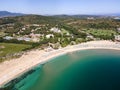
(10, 69)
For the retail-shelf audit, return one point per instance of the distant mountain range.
(9, 14)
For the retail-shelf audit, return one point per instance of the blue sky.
(61, 6)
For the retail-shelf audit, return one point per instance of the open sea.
(81, 70)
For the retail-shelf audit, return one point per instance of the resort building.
(55, 30)
(49, 36)
(8, 37)
(24, 38)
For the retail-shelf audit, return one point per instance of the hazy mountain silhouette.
(8, 14)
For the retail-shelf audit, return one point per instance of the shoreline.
(16, 67)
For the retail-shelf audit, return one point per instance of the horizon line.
(63, 13)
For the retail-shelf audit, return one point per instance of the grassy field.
(101, 32)
(9, 48)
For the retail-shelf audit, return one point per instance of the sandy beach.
(10, 69)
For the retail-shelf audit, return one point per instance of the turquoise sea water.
(82, 70)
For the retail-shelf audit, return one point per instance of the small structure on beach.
(48, 49)
(117, 37)
(55, 46)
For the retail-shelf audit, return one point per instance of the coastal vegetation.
(8, 50)
(35, 31)
(102, 34)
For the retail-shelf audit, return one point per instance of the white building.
(36, 25)
(20, 38)
(49, 35)
(8, 37)
(24, 38)
(56, 30)
(23, 28)
(90, 18)
(27, 39)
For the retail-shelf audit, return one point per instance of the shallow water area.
(81, 70)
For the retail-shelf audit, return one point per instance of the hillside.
(9, 14)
